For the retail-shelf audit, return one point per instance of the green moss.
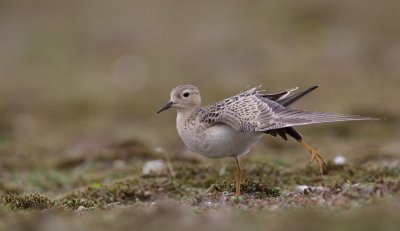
(27, 201)
(119, 191)
(195, 175)
(259, 181)
(124, 191)
(258, 189)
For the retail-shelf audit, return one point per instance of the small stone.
(154, 167)
(307, 189)
(340, 160)
(81, 209)
(301, 188)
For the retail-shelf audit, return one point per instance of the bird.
(230, 127)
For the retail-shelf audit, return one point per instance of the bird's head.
(183, 97)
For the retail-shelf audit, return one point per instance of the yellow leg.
(238, 177)
(315, 156)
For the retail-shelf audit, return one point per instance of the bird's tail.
(293, 117)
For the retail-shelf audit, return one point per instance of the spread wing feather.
(252, 111)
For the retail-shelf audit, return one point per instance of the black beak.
(165, 107)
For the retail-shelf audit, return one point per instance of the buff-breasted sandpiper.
(230, 127)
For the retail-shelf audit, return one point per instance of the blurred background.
(77, 74)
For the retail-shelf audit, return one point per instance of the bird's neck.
(184, 115)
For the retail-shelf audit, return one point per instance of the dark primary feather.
(279, 95)
(287, 101)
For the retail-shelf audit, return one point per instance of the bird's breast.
(217, 141)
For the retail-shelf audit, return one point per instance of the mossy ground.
(110, 185)
(103, 185)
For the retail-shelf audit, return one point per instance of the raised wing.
(252, 111)
(243, 112)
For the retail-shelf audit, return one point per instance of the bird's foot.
(315, 156)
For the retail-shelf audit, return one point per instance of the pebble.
(301, 188)
(339, 160)
(154, 167)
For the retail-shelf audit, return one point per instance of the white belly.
(219, 141)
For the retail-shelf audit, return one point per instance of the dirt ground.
(80, 82)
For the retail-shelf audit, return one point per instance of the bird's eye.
(186, 94)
